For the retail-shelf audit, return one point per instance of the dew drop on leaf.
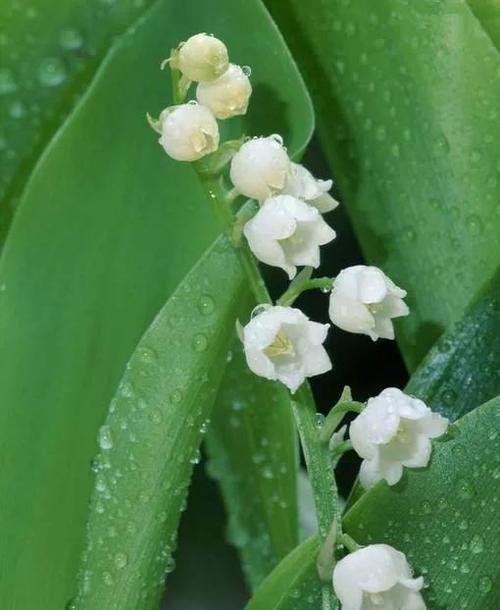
(105, 438)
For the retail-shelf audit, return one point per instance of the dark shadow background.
(208, 575)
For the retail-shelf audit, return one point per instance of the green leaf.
(446, 517)
(151, 437)
(106, 229)
(462, 370)
(50, 51)
(254, 457)
(406, 95)
(293, 584)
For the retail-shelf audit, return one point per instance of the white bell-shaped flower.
(393, 431)
(188, 132)
(377, 577)
(302, 184)
(228, 95)
(202, 58)
(364, 300)
(287, 232)
(281, 343)
(260, 167)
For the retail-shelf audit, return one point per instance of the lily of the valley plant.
(285, 228)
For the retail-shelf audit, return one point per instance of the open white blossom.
(377, 577)
(281, 343)
(202, 58)
(302, 184)
(287, 232)
(364, 300)
(260, 167)
(393, 431)
(228, 95)
(188, 132)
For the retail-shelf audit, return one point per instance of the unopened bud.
(228, 95)
(188, 132)
(202, 58)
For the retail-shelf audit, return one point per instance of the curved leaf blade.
(462, 370)
(50, 51)
(417, 165)
(152, 434)
(254, 456)
(293, 584)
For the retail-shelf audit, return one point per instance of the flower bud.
(260, 168)
(188, 132)
(202, 58)
(228, 95)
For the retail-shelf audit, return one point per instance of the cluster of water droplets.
(45, 68)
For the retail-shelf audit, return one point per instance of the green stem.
(336, 415)
(350, 544)
(296, 289)
(316, 453)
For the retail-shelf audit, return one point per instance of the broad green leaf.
(488, 13)
(50, 50)
(106, 229)
(151, 438)
(253, 458)
(294, 583)
(462, 370)
(406, 95)
(446, 518)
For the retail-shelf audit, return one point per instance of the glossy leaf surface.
(106, 229)
(253, 456)
(406, 96)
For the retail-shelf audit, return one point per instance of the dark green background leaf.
(406, 95)
(50, 51)
(253, 456)
(106, 229)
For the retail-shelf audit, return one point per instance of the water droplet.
(105, 438)
(476, 545)
(176, 396)
(155, 416)
(71, 39)
(247, 70)
(474, 224)
(196, 457)
(7, 83)
(17, 110)
(51, 72)
(206, 305)
(449, 397)
(200, 342)
(466, 489)
(485, 584)
(121, 560)
(108, 579)
(147, 355)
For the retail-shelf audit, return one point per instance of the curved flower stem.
(316, 453)
(336, 415)
(296, 289)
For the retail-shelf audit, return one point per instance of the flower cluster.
(286, 230)
(189, 131)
